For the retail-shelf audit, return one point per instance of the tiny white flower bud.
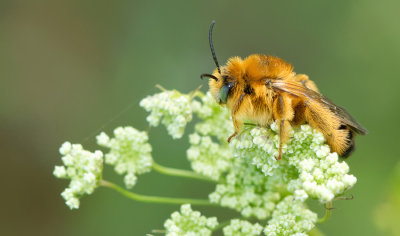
(73, 203)
(103, 139)
(65, 148)
(59, 172)
(130, 180)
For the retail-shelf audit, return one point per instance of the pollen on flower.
(83, 168)
(189, 222)
(130, 153)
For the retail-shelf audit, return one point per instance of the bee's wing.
(301, 91)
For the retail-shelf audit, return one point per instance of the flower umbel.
(242, 228)
(83, 168)
(290, 217)
(172, 108)
(130, 153)
(189, 222)
(307, 163)
(247, 190)
(207, 157)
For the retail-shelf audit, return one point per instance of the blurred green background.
(68, 68)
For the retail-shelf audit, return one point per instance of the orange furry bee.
(263, 89)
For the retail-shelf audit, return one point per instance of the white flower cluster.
(172, 108)
(290, 218)
(247, 190)
(259, 146)
(190, 223)
(207, 157)
(83, 168)
(317, 172)
(242, 228)
(209, 152)
(130, 153)
(321, 174)
(250, 179)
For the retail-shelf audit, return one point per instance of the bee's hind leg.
(283, 114)
(284, 129)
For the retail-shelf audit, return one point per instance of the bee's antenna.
(208, 75)
(212, 46)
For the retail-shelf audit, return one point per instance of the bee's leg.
(237, 126)
(233, 135)
(281, 124)
(283, 113)
(284, 127)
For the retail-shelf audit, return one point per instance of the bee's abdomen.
(350, 144)
(342, 141)
(339, 135)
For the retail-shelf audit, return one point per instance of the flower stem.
(180, 173)
(328, 207)
(221, 225)
(315, 232)
(154, 199)
(196, 92)
(161, 88)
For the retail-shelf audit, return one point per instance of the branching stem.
(180, 173)
(154, 199)
(315, 232)
(328, 209)
(221, 225)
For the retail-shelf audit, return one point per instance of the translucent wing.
(298, 90)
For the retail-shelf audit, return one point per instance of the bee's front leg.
(233, 135)
(237, 124)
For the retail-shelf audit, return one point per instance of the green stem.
(159, 231)
(161, 88)
(221, 225)
(328, 207)
(154, 199)
(196, 92)
(315, 232)
(180, 173)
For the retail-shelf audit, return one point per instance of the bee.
(263, 89)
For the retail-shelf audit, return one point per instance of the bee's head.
(233, 80)
(221, 86)
(220, 82)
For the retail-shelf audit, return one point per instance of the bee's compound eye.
(224, 92)
(268, 83)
